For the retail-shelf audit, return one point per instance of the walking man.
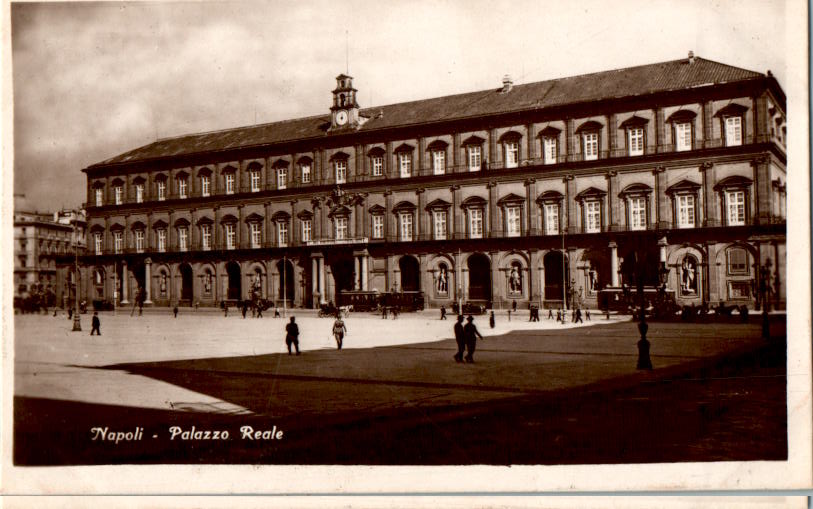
(461, 340)
(471, 334)
(175, 311)
(587, 314)
(95, 324)
(578, 316)
(339, 330)
(491, 320)
(550, 313)
(442, 312)
(514, 306)
(292, 335)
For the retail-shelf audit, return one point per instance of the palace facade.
(668, 173)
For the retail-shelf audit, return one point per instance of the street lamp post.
(77, 325)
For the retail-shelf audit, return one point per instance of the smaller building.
(44, 254)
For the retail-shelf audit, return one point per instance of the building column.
(763, 191)
(532, 209)
(494, 223)
(570, 139)
(612, 133)
(124, 277)
(322, 290)
(613, 202)
(530, 142)
(570, 204)
(662, 203)
(497, 286)
(364, 275)
(660, 134)
(710, 216)
(456, 219)
(613, 264)
(357, 272)
(147, 280)
(708, 136)
(421, 222)
(315, 280)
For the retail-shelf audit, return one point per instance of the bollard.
(644, 362)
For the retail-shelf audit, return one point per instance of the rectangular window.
(97, 243)
(635, 141)
(513, 221)
(282, 178)
(735, 204)
(551, 219)
(511, 149)
(378, 226)
(341, 228)
(439, 221)
(475, 157)
(254, 176)
(181, 188)
(231, 236)
(378, 165)
(117, 240)
(139, 193)
(205, 185)
(119, 193)
(99, 199)
(139, 241)
(739, 290)
(206, 236)
(733, 131)
(438, 162)
(306, 230)
(590, 146)
(683, 136)
(282, 233)
(549, 150)
(475, 223)
(161, 186)
(256, 235)
(405, 219)
(341, 171)
(592, 216)
(737, 261)
(306, 173)
(162, 240)
(183, 238)
(229, 183)
(685, 207)
(405, 164)
(637, 211)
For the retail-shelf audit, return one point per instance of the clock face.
(341, 117)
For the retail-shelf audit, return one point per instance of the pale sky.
(93, 80)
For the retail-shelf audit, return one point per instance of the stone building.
(569, 188)
(44, 256)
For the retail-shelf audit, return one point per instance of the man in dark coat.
(292, 335)
(461, 340)
(471, 334)
(95, 324)
(442, 312)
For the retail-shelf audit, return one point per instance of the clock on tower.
(345, 109)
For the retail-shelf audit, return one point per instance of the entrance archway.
(554, 277)
(343, 271)
(287, 285)
(234, 280)
(139, 274)
(641, 262)
(186, 282)
(410, 274)
(479, 277)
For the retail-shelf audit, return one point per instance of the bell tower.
(345, 109)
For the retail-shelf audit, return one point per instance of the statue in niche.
(689, 273)
(515, 280)
(443, 281)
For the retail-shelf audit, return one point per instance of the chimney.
(691, 56)
(507, 84)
